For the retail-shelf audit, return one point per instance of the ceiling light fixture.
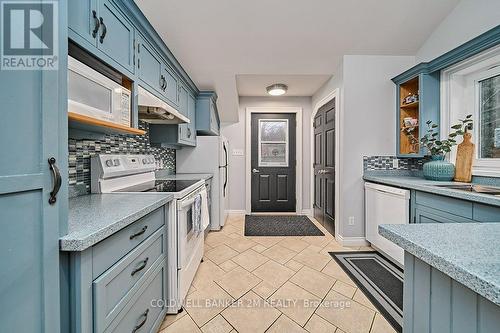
(277, 89)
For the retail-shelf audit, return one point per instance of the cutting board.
(463, 165)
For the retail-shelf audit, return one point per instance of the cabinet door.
(83, 21)
(214, 120)
(149, 66)
(429, 215)
(116, 35)
(192, 116)
(34, 131)
(171, 91)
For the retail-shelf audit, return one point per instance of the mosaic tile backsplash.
(372, 163)
(80, 151)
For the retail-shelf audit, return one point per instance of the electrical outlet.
(395, 163)
(351, 220)
(238, 152)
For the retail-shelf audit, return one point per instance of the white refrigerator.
(211, 155)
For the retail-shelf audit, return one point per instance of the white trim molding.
(248, 154)
(236, 212)
(334, 94)
(352, 241)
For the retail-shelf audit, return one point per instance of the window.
(489, 117)
(473, 87)
(273, 142)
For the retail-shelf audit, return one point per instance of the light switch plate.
(238, 152)
(395, 163)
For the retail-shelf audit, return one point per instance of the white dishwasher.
(385, 205)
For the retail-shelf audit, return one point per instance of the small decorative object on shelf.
(438, 168)
(411, 98)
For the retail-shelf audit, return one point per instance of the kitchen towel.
(196, 214)
(205, 215)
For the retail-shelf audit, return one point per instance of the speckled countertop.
(421, 184)
(467, 252)
(160, 174)
(94, 217)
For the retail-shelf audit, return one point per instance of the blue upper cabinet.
(171, 87)
(149, 66)
(417, 102)
(207, 115)
(102, 29)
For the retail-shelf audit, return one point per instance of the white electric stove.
(136, 174)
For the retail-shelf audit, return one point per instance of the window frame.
(286, 142)
(460, 95)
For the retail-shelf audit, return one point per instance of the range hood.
(155, 111)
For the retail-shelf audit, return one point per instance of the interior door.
(33, 130)
(273, 162)
(324, 166)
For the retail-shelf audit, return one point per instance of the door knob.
(255, 170)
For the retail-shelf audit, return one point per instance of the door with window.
(273, 162)
(324, 166)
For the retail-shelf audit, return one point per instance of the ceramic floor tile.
(217, 325)
(205, 304)
(344, 289)
(316, 324)
(360, 297)
(251, 314)
(314, 248)
(285, 325)
(183, 325)
(220, 254)
(380, 325)
(228, 265)
(237, 282)
(333, 246)
(170, 319)
(234, 236)
(294, 243)
(259, 248)
(250, 259)
(294, 265)
(266, 241)
(229, 229)
(279, 254)
(312, 259)
(295, 302)
(345, 313)
(264, 289)
(334, 270)
(313, 281)
(216, 238)
(319, 241)
(241, 244)
(206, 274)
(273, 273)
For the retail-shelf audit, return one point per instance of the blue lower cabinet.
(114, 283)
(207, 115)
(429, 215)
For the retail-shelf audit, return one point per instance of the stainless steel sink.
(492, 190)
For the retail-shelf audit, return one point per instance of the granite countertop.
(160, 174)
(467, 252)
(422, 184)
(94, 217)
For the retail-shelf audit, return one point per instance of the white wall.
(235, 132)
(367, 125)
(468, 19)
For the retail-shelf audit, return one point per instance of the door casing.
(338, 129)
(298, 149)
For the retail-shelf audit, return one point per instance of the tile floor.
(273, 284)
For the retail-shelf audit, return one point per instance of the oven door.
(188, 239)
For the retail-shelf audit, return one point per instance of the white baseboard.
(307, 212)
(352, 241)
(236, 211)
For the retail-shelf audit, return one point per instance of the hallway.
(273, 284)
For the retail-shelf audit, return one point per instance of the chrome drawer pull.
(143, 230)
(145, 315)
(138, 269)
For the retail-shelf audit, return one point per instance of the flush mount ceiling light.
(277, 89)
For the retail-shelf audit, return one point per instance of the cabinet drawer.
(446, 204)
(485, 213)
(112, 287)
(106, 253)
(429, 215)
(142, 312)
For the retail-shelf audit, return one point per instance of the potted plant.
(438, 168)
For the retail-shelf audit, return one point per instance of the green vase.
(439, 169)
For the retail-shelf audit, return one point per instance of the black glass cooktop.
(160, 186)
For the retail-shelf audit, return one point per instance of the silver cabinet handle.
(255, 171)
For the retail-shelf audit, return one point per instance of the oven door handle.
(186, 203)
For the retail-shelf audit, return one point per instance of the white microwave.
(92, 94)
